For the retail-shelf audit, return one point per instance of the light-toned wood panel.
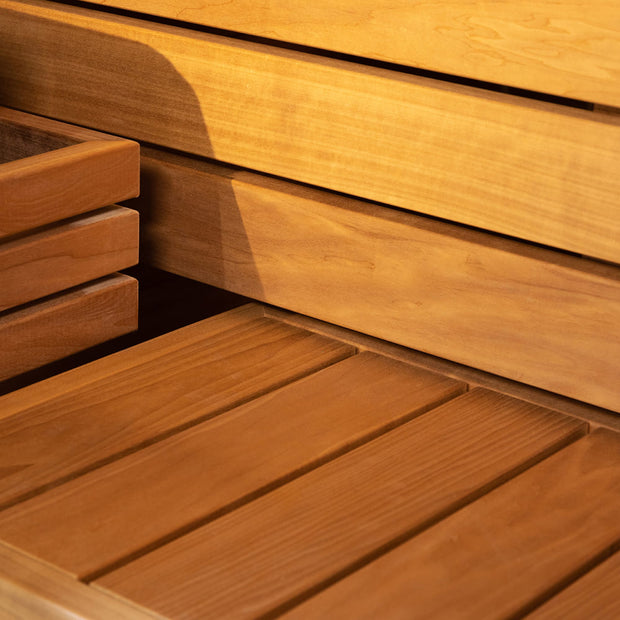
(271, 551)
(497, 556)
(68, 254)
(33, 590)
(115, 511)
(501, 306)
(52, 186)
(569, 48)
(595, 595)
(527, 169)
(82, 426)
(48, 330)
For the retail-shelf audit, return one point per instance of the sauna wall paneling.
(531, 170)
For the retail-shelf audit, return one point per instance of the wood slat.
(68, 254)
(96, 520)
(527, 169)
(500, 555)
(44, 331)
(595, 595)
(34, 590)
(289, 542)
(460, 295)
(569, 48)
(148, 393)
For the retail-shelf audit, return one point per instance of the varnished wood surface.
(500, 555)
(503, 163)
(283, 502)
(314, 529)
(146, 393)
(33, 590)
(569, 48)
(208, 469)
(67, 254)
(44, 331)
(456, 294)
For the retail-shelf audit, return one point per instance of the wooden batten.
(67, 254)
(502, 306)
(568, 48)
(536, 171)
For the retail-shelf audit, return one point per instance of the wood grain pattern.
(522, 539)
(527, 169)
(253, 561)
(487, 302)
(595, 595)
(33, 590)
(48, 330)
(569, 48)
(68, 254)
(93, 415)
(95, 520)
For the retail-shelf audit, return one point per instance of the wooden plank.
(37, 591)
(52, 186)
(71, 253)
(527, 169)
(595, 595)
(118, 510)
(48, 330)
(498, 556)
(569, 48)
(99, 413)
(461, 295)
(253, 561)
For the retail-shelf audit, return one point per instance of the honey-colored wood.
(147, 393)
(102, 517)
(65, 255)
(527, 169)
(48, 330)
(595, 595)
(569, 48)
(287, 543)
(500, 555)
(33, 590)
(501, 306)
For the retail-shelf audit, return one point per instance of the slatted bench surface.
(246, 467)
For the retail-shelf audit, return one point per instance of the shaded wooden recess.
(245, 467)
(569, 48)
(538, 171)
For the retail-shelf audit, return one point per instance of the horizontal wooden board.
(595, 595)
(37, 591)
(95, 414)
(71, 253)
(501, 306)
(96, 520)
(527, 169)
(275, 549)
(48, 330)
(498, 556)
(569, 48)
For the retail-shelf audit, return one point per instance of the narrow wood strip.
(285, 544)
(165, 489)
(569, 48)
(204, 373)
(595, 595)
(67, 254)
(37, 591)
(59, 326)
(531, 170)
(431, 286)
(52, 186)
(498, 555)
